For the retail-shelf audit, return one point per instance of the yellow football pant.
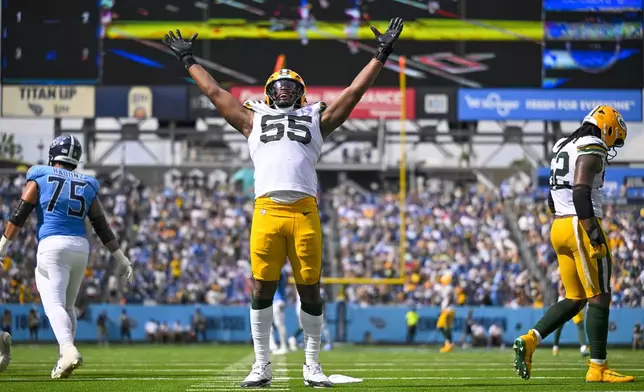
(286, 230)
(582, 276)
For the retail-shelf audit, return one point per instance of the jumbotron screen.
(462, 43)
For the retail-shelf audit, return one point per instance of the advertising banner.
(545, 105)
(48, 101)
(376, 103)
(199, 105)
(355, 324)
(164, 103)
(436, 103)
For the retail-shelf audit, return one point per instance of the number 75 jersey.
(64, 198)
(284, 147)
(562, 173)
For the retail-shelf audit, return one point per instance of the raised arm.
(96, 215)
(340, 109)
(230, 108)
(27, 203)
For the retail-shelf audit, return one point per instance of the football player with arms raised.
(285, 140)
(585, 263)
(63, 199)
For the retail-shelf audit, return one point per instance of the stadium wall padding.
(377, 324)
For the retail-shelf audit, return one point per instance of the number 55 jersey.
(64, 198)
(285, 145)
(562, 173)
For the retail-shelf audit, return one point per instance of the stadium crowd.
(188, 244)
(624, 227)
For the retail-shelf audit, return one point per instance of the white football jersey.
(562, 172)
(284, 147)
(447, 293)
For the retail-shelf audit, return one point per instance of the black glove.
(387, 40)
(595, 234)
(181, 48)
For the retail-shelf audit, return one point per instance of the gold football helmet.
(285, 88)
(611, 124)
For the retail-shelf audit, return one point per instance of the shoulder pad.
(36, 172)
(322, 106)
(591, 145)
(256, 106)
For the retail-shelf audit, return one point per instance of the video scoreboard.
(448, 43)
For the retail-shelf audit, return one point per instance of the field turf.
(203, 368)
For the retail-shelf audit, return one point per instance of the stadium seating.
(189, 245)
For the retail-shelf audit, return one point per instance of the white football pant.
(61, 263)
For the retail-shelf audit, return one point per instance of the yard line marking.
(235, 367)
(282, 369)
(207, 381)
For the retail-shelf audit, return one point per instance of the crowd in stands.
(624, 228)
(189, 244)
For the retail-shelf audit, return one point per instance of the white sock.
(326, 334)
(271, 339)
(281, 332)
(61, 324)
(538, 335)
(598, 361)
(261, 322)
(312, 326)
(72, 316)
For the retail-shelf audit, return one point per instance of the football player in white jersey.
(285, 139)
(576, 176)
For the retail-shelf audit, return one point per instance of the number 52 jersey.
(562, 173)
(64, 198)
(284, 147)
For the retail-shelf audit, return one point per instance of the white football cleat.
(315, 377)
(260, 376)
(292, 343)
(5, 351)
(67, 363)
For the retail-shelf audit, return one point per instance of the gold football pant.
(286, 230)
(579, 318)
(446, 319)
(582, 276)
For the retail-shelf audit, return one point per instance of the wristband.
(4, 244)
(188, 61)
(382, 55)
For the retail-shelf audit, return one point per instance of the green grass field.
(203, 368)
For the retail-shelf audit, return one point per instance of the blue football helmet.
(66, 149)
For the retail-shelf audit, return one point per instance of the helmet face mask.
(284, 92)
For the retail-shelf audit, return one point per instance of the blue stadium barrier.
(377, 324)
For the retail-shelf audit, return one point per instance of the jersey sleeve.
(591, 145)
(35, 172)
(95, 184)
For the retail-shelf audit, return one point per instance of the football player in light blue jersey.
(279, 315)
(63, 199)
